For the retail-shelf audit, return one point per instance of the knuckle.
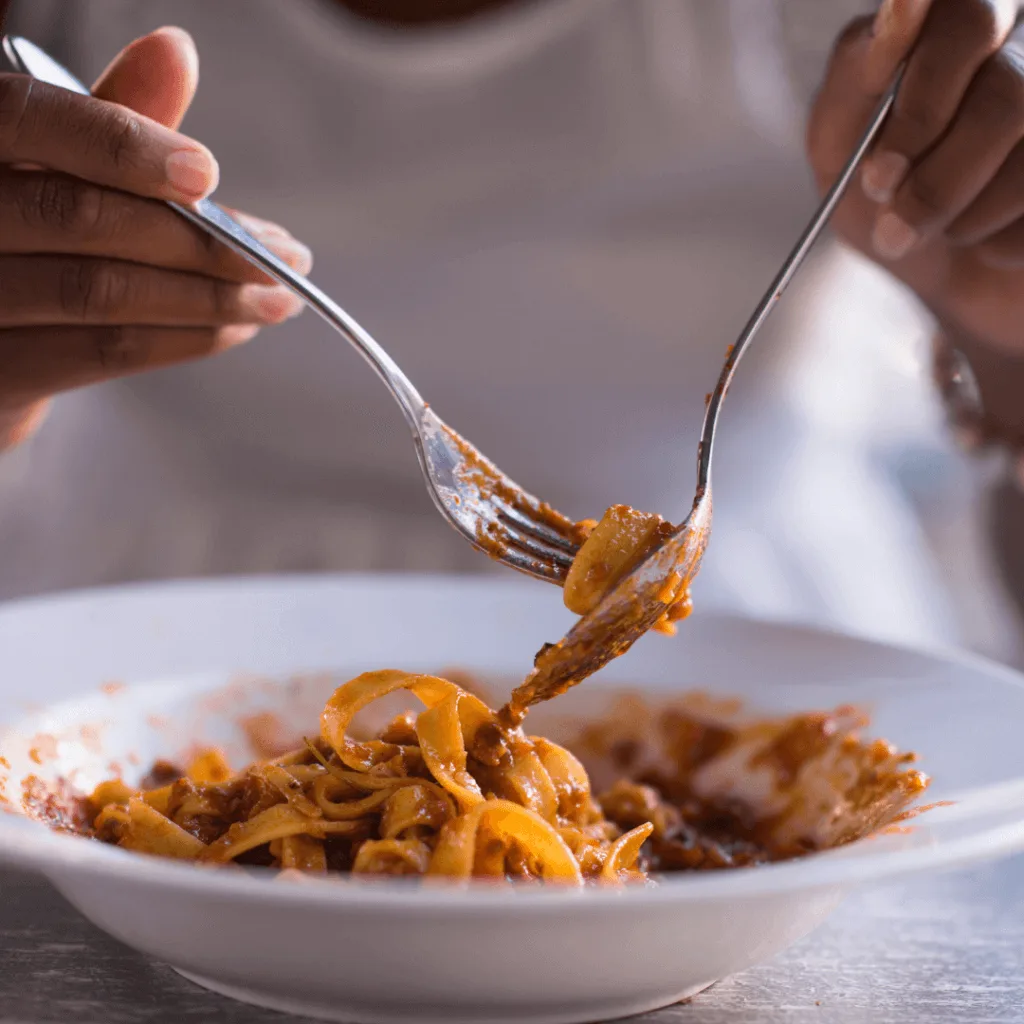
(121, 134)
(924, 198)
(62, 205)
(1002, 82)
(917, 122)
(211, 251)
(960, 232)
(222, 300)
(15, 94)
(95, 290)
(982, 22)
(118, 349)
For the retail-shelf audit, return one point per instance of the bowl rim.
(37, 848)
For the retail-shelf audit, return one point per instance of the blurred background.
(556, 215)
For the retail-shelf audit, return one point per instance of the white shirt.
(555, 218)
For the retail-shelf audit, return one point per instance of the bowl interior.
(105, 683)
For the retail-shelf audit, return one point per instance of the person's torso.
(555, 218)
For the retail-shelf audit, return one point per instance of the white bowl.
(383, 952)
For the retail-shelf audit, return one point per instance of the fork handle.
(214, 219)
(786, 274)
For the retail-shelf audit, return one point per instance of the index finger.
(101, 142)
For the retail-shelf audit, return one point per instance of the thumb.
(156, 75)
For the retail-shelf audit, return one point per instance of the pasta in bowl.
(148, 673)
(449, 792)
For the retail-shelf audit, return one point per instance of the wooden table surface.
(937, 950)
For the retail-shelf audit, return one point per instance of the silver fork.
(491, 511)
(640, 599)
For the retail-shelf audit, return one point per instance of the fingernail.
(192, 172)
(261, 229)
(294, 253)
(882, 175)
(175, 30)
(237, 334)
(893, 237)
(274, 237)
(268, 303)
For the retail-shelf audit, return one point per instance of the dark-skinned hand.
(98, 278)
(941, 197)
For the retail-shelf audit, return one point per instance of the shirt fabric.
(555, 217)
